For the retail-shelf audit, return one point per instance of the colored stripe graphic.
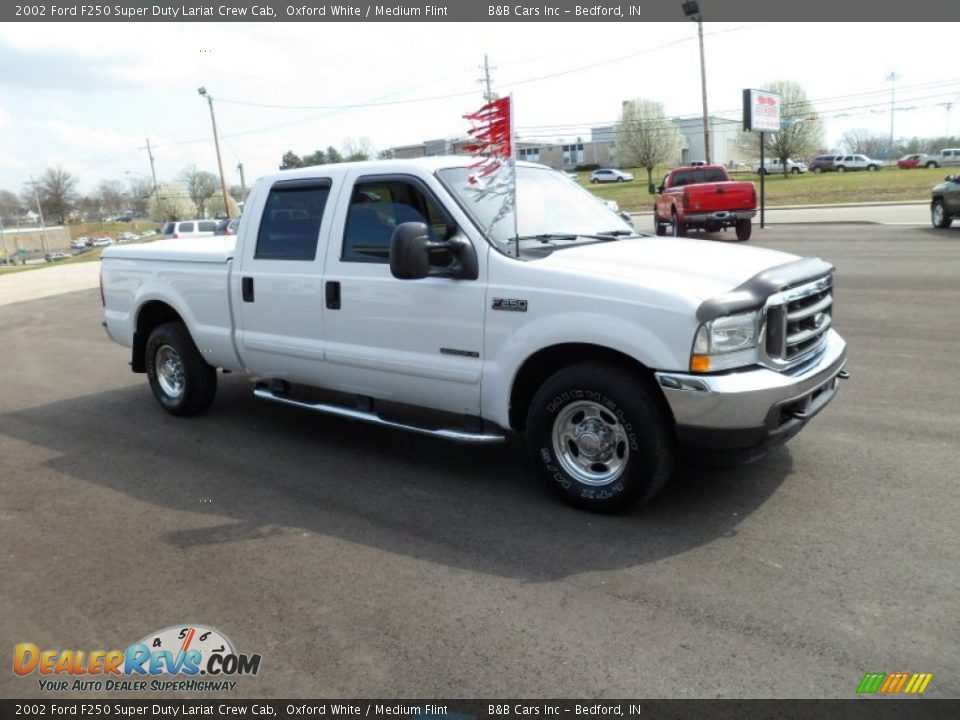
(871, 682)
(894, 683)
(918, 683)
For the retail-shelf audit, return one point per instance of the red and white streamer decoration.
(494, 174)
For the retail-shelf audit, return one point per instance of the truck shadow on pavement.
(275, 470)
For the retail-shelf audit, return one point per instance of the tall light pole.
(216, 142)
(892, 79)
(691, 8)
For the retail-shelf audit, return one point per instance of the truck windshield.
(548, 205)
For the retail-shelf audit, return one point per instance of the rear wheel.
(795, 171)
(871, 168)
(744, 228)
(932, 165)
(841, 168)
(818, 170)
(599, 437)
(938, 215)
(677, 226)
(180, 379)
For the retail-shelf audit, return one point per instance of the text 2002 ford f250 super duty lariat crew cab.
(386, 281)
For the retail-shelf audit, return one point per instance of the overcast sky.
(86, 96)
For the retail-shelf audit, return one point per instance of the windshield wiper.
(547, 237)
(614, 233)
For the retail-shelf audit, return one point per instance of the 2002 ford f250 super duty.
(392, 282)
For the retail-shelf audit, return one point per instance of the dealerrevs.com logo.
(174, 658)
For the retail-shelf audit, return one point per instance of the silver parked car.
(610, 175)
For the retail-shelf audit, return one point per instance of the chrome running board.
(465, 436)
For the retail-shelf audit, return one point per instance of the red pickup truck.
(704, 198)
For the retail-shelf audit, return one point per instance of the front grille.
(798, 320)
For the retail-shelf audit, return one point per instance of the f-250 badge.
(510, 304)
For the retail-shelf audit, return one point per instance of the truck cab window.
(376, 209)
(290, 226)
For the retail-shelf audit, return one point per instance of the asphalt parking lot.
(370, 563)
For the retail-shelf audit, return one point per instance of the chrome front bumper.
(755, 407)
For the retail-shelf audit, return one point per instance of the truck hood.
(701, 269)
(211, 249)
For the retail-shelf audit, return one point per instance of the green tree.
(290, 160)
(171, 202)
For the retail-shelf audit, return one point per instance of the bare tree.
(171, 202)
(11, 207)
(360, 149)
(644, 137)
(111, 196)
(140, 188)
(57, 190)
(865, 142)
(201, 186)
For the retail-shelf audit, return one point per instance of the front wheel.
(657, 225)
(818, 170)
(600, 437)
(744, 228)
(180, 379)
(841, 168)
(871, 168)
(795, 171)
(938, 215)
(677, 227)
(932, 165)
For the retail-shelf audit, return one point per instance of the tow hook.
(843, 375)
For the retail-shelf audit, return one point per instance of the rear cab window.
(290, 224)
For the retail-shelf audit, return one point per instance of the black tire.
(939, 217)
(932, 165)
(744, 228)
(871, 168)
(629, 417)
(841, 168)
(619, 179)
(677, 227)
(593, 181)
(818, 170)
(795, 171)
(658, 226)
(197, 380)
(762, 171)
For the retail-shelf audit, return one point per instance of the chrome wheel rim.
(170, 373)
(937, 214)
(590, 443)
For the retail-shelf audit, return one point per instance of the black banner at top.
(638, 11)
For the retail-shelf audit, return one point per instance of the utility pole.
(691, 9)
(243, 185)
(216, 142)
(3, 238)
(488, 94)
(946, 106)
(43, 224)
(892, 79)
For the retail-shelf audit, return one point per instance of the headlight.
(726, 342)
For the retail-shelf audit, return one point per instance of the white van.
(189, 228)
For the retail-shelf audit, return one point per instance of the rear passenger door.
(277, 290)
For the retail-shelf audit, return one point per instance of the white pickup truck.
(392, 285)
